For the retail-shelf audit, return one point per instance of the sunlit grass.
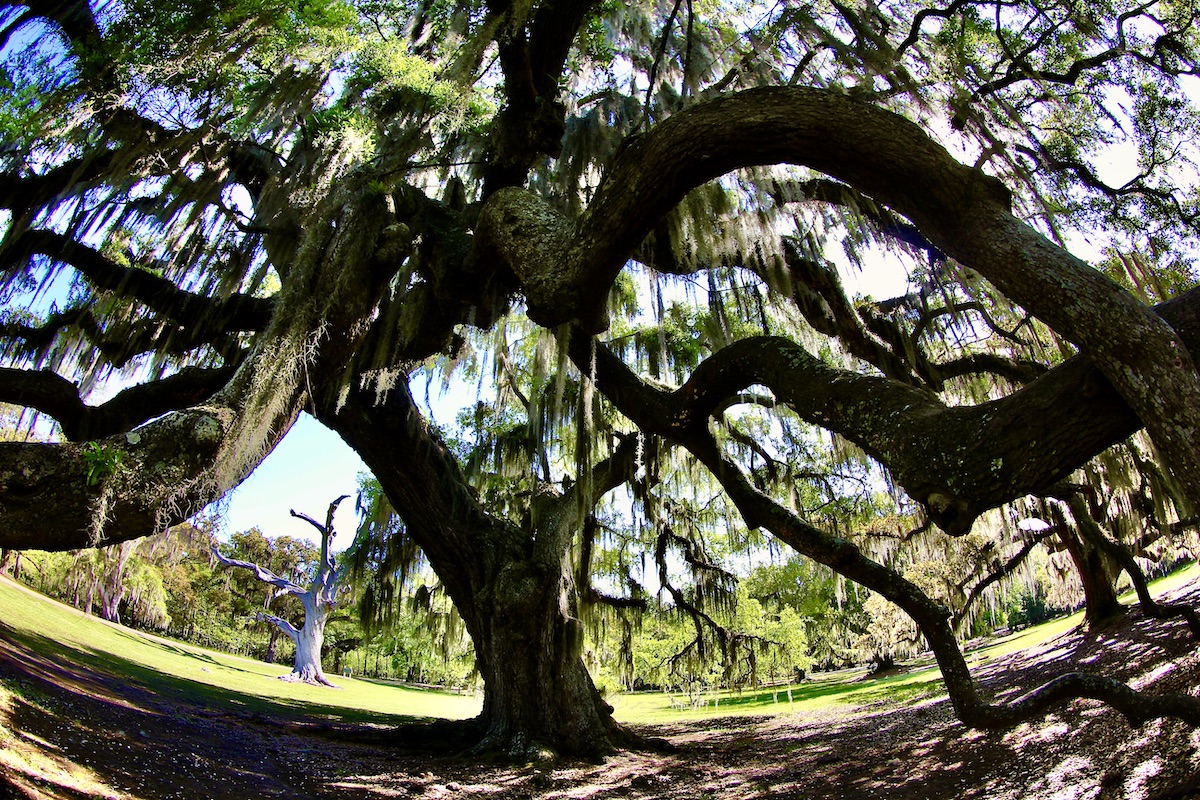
(215, 680)
(208, 678)
(856, 688)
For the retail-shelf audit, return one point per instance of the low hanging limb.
(651, 409)
(51, 394)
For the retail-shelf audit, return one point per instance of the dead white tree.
(319, 599)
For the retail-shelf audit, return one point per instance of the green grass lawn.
(224, 682)
(205, 677)
(854, 688)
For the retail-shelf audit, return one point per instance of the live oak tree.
(243, 211)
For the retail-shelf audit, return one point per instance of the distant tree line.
(781, 619)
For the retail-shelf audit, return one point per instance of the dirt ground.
(69, 733)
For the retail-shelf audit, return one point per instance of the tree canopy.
(632, 226)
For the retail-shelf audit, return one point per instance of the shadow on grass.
(205, 696)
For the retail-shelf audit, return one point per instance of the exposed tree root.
(314, 680)
(1137, 707)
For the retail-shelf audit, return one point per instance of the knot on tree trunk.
(952, 514)
(530, 239)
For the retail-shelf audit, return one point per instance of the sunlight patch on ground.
(1064, 780)
(33, 764)
(1135, 784)
(426, 786)
(1025, 734)
(1153, 675)
(628, 774)
(1148, 733)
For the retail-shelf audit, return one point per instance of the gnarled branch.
(55, 396)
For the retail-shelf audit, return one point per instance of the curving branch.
(914, 33)
(237, 312)
(51, 394)
(262, 573)
(567, 269)
(647, 407)
(1021, 70)
(1016, 371)
(291, 630)
(958, 461)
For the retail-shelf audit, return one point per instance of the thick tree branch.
(644, 405)
(262, 573)
(118, 343)
(68, 496)
(421, 476)
(75, 19)
(63, 496)
(959, 460)
(964, 212)
(206, 315)
(25, 193)
(532, 122)
(280, 623)
(50, 394)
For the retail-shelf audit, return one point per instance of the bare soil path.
(68, 732)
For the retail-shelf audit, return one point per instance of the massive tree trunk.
(538, 697)
(513, 586)
(310, 640)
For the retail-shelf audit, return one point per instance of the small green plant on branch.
(100, 461)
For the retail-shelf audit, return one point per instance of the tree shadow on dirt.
(194, 740)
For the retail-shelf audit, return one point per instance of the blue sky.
(307, 470)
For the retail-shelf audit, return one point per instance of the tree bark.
(539, 699)
(513, 585)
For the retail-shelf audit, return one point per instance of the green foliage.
(1029, 607)
(207, 678)
(100, 461)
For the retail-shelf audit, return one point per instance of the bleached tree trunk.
(319, 599)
